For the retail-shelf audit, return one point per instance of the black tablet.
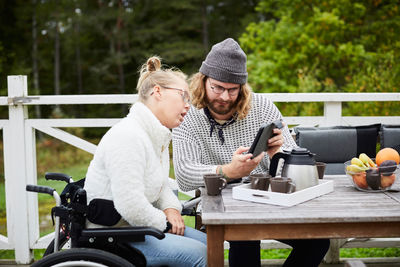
(264, 133)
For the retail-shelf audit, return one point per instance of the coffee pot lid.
(300, 156)
(300, 151)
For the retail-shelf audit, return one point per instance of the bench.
(337, 144)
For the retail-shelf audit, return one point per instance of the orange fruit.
(387, 154)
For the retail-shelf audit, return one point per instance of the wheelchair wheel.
(61, 243)
(82, 257)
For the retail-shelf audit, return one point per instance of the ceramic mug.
(214, 183)
(321, 169)
(282, 185)
(260, 181)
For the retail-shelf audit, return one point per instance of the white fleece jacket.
(131, 167)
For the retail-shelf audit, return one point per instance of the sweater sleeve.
(167, 198)
(188, 168)
(125, 160)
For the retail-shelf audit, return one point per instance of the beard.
(216, 107)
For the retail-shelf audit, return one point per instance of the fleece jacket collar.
(158, 133)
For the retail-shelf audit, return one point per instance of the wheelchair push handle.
(58, 177)
(56, 196)
(40, 189)
(44, 189)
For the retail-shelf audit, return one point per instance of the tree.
(331, 42)
(96, 47)
(325, 46)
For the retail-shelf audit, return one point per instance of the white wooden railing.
(20, 155)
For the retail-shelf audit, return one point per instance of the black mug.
(214, 183)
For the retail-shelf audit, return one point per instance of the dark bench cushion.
(337, 144)
(390, 136)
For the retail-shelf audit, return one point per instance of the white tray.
(244, 192)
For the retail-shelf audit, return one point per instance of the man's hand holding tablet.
(265, 132)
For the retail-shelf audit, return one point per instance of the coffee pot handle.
(273, 166)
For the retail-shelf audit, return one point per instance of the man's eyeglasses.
(184, 94)
(219, 89)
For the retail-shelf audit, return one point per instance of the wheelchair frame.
(70, 220)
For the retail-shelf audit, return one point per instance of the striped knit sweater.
(196, 153)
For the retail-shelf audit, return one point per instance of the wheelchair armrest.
(189, 207)
(122, 233)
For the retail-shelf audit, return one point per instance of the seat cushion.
(329, 145)
(337, 144)
(335, 168)
(390, 136)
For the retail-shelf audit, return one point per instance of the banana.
(366, 160)
(358, 162)
(355, 168)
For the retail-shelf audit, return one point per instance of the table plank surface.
(345, 212)
(344, 204)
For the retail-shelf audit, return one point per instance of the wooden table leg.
(215, 245)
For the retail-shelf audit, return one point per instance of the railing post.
(332, 113)
(15, 170)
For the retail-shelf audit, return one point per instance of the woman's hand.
(174, 217)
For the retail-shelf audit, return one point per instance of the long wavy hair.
(199, 99)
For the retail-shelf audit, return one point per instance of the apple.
(387, 181)
(360, 180)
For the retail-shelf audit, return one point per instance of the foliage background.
(326, 46)
(97, 47)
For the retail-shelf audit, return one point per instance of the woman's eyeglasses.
(184, 94)
(219, 89)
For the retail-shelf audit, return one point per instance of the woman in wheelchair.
(130, 171)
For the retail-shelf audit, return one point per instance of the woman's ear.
(157, 92)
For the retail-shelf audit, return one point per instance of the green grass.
(344, 253)
(369, 252)
(7, 254)
(77, 172)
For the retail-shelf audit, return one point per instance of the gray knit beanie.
(226, 62)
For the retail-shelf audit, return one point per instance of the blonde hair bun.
(153, 64)
(153, 73)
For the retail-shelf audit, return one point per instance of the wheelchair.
(94, 246)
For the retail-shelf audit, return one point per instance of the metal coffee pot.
(299, 165)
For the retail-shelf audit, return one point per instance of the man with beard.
(217, 133)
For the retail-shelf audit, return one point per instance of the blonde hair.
(199, 98)
(152, 73)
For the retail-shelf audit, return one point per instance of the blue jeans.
(175, 250)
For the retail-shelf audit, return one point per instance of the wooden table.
(343, 213)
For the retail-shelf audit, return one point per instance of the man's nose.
(225, 95)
